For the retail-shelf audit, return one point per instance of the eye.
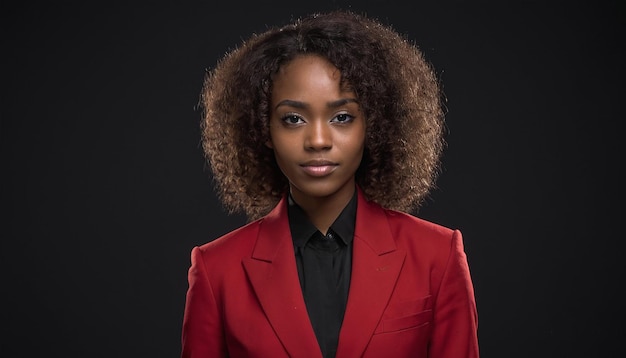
(292, 119)
(343, 118)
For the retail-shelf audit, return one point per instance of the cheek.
(354, 143)
(284, 150)
(285, 162)
(284, 142)
(359, 150)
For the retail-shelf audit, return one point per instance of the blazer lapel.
(376, 264)
(274, 278)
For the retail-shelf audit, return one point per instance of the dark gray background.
(105, 191)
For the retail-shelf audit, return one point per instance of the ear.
(269, 143)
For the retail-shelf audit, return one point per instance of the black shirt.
(324, 266)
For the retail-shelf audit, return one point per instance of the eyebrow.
(303, 105)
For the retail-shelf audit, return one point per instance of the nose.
(318, 136)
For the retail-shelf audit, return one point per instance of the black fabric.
(324, 267)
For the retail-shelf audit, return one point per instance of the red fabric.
(411, 293)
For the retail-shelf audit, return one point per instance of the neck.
(323, 211)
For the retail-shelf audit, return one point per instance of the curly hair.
(397, 91)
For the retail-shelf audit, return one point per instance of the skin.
(317, 133)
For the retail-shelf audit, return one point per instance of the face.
(317, 130)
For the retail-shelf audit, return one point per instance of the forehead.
(307, 74)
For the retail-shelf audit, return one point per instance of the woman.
(326, 133)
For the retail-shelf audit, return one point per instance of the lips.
(319, 167)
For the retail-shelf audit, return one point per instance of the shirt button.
(330, 236)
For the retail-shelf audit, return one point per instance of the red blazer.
(410, 294)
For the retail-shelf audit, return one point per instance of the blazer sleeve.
(202, 333)
(455, 317)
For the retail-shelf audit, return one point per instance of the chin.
(320, 190)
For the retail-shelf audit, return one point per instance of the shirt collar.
(302, 229)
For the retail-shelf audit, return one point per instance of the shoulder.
(372, 214)
(404, 221)
(415, 233)
(382, 226)
(243, 241)
(426, 243)
(234, 244)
